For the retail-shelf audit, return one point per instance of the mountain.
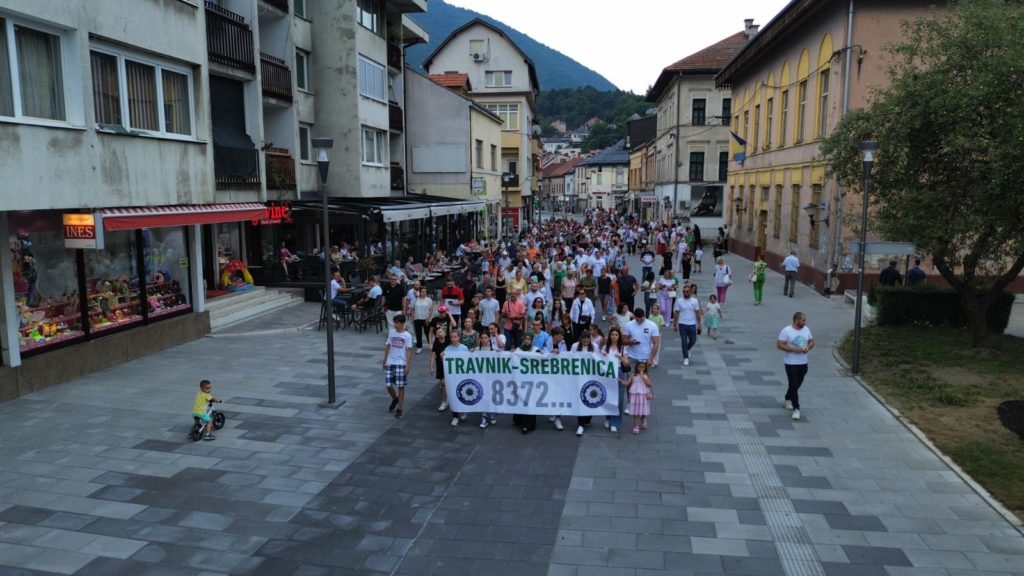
(554, 69)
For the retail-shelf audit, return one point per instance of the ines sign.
(83, 231)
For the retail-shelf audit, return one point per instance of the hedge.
(934, 307)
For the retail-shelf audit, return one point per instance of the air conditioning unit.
(479, 57)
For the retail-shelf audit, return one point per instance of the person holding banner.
(527, 422)
(454, 345)
(584, 345)
(486, 343)
(615, 348)
(437, 364)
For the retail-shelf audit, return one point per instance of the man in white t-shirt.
(796, 341)
(397, 358)
(642, 338)
(489, 307)
(686, 315)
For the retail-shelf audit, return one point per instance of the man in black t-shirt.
(394, 298)
(627, 287)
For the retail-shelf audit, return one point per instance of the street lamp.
(323, 163)
(813, 209)
(868, 147)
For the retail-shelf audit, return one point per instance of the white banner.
(570, 384)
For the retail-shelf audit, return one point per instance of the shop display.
(163, 297)
(112, 303)
(49, 322)
(234, 276)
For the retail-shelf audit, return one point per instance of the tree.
(950, 164)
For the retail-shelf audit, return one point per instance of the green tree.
(950, 164)
(602, 135)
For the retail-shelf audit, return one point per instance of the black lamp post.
(323, 163)
(868, 147)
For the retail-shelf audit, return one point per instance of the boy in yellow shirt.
(203, 399)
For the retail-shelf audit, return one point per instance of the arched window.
(823, 88)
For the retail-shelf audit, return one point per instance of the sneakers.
(398, 414)
(579, 430)
(787, 404)
(463, 416)
(443, 406)
(558, 424)
(455, 421)
(394, 402)
(483, 422)
(686, 361)
(493, 418)
(336, 317)
(607, 423)
(208, 437)
(419, 350)
(552, 418)
(625, 409)
(796, 414)
(614, 429)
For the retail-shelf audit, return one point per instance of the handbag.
(752, 277)
(727, 279)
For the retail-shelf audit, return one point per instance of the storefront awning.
(403, 213)
(164, 216)
(456, 208)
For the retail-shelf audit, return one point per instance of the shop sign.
(648, 200)
(479, 187)
(275, 213)
(82, 231)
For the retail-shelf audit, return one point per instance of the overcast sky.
(628, 42)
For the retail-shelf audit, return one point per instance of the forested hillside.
(574, 106)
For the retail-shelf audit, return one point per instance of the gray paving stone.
(876, 556)
(719, 546)
(862, 523)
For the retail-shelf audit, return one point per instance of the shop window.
(45, 281)
(168, 289)
(111, 283)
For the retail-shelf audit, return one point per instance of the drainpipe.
(837, 246)
(675, 165)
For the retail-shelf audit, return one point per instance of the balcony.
(280, 169)
(229, 39)
(395, 120)
(394, 56)
(236, 168)
(279, 4)
(397, 177)
(277, 77)
(509, 180)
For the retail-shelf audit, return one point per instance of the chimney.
(749, 28)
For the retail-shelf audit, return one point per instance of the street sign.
(886, 248)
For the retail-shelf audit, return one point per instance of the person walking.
(790, 265)
(795, 341)
(890, 276)
(757, 276)
(641, 392)
(667, 287)
(723, 278)
(712, 316)
(686, 318)
(422, 310)
(916, 275)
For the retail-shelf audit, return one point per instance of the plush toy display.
(234, 276)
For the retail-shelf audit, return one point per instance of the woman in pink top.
(569, 288)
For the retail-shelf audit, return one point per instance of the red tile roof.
(707, 61)
(451, 79)
(558, 170)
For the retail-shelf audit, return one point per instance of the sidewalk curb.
(302, 328)
(978, 488)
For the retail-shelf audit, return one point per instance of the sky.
(629, 42)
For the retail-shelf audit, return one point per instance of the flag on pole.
(737, 138)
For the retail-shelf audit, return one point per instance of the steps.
(238, 307)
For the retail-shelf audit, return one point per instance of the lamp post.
(868, 147)
(323, 163)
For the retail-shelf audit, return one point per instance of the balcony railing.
(236, 168)
(280, 4)
(395, 120)
(229, 39)
(509, 180)
(394, 56)
(397, 177)
(280, 169)
(277, 77)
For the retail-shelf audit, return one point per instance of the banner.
(569, 384)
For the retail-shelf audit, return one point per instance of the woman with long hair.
(615, 348)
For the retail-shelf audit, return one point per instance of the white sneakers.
(455, 421)
(443, 406)
(419, 350)
(607, 423)
(686, 361)
(483, 422)
(788, 404)
(579, 430)
(615, 429)
(796, 415)
(558, 424)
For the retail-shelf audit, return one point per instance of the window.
(696, 166)
(766, 193)
(300, 8)
(757, 129)
(726, 110)
(478, 46)
(302, 70)
(372, 80)
(784, 118)
(368, 14)
(750, 208)
(723, 166)
(777, 220)
(769, 123)
(699, 111)
(31, 73)
(498, 78)
(746, 124)
(305, 142)
(373, 146)
(823, 80)
(478, 153)
(600, 179)
(134, 93)
(814, 232)
(508, 112)
(801, 107)
(494, 157)
(794, 214)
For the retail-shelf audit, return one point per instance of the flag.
(737, 138)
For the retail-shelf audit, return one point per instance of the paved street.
(97, 477)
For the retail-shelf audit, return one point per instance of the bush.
(932, 306)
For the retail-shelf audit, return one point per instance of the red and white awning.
(184, 215)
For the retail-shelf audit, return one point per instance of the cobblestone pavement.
(97, 477)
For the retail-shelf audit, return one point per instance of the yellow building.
(791, 85)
